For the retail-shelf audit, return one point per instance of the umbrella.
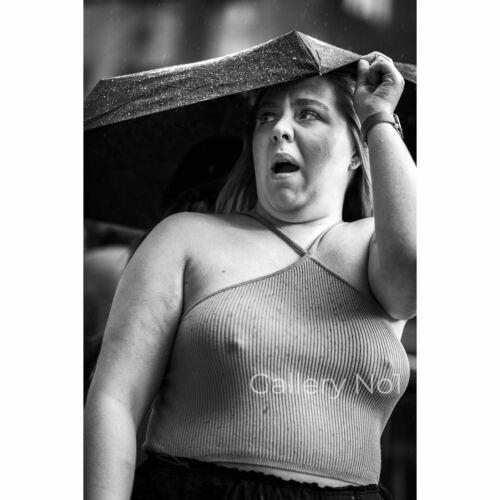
(141, 129)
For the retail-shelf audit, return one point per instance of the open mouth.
(284, 167)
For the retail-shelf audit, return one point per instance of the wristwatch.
(380, 117)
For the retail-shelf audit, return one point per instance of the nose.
(282, 131)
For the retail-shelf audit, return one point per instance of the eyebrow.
(303, 101)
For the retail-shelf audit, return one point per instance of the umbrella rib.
(309, 51)
(319, 63)
(92, 119)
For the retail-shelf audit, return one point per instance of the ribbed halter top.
(295, 370)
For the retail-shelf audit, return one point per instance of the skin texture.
(188, 256)
(392, 256)
(300, 121)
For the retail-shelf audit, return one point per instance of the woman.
(270, 335)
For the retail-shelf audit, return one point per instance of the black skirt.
(162, 478)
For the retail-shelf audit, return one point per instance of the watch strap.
(381, 117)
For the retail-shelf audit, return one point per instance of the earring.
(355, 163)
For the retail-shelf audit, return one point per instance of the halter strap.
(312, 247)
(278, 232)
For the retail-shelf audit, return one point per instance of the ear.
(355, 161)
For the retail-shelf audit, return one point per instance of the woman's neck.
(302, 233)
(294, 220)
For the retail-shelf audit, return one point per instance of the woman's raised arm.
(134, 355)
(392, 257)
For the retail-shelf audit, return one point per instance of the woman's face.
(302, 150)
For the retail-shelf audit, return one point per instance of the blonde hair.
(239, 192)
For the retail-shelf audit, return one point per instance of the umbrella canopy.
(140, 129)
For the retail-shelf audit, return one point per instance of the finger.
(383, 56)
(362, 77)
(382, 65)
(373, 55)
(382, 68)
(376, 71)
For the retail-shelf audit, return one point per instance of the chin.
(292, 209)
(285, 202)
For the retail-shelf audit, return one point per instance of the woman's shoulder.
(362, 227)
(193, 220)
(346, 251)
(355, 234)
(188, 228)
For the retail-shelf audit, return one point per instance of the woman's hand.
(379, 85)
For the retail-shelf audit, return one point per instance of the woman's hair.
(239, 193)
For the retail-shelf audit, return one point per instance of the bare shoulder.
(163, 249)
(188, 229)
(177, 232)
(352, 237)
(360, 231)
(346, 251)
(177, 228)
(186, 224)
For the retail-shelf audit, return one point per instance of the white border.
(41, 251)
(458, 418)
(41, 208)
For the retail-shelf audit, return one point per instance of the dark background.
(129, 36)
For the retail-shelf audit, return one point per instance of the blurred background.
(129, 36)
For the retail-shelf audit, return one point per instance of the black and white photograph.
(217, 244)
(250, 249)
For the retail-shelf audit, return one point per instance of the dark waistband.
(181, 464)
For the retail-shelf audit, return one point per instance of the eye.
(309, 114)
(266, 116)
